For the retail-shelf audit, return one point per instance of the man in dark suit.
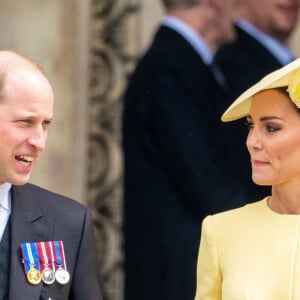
(47, 247)
(173, 150)
(260, 47)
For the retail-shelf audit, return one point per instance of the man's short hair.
(171, 4)
(10, 61)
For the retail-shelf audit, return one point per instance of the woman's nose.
(253, 141)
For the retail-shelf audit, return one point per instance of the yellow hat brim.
(279, 78)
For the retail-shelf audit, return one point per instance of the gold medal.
(34, 276)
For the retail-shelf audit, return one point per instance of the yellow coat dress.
(249, 253)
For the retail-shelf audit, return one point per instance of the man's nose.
(38, 138)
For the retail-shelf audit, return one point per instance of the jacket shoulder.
(237, 217)
(34, 193)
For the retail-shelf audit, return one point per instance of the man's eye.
(46, 123)
(25, 121)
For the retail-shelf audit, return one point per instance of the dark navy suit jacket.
(39, 215)
(176, 159)
(244, 62)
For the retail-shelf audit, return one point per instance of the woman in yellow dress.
(253, 252)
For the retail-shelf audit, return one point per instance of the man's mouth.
(24, 159)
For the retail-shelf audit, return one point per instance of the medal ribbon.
(59, 254)
(45, 255)
(30, 256)
(62, 251)
(50, 247)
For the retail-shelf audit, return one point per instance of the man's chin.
(19, 181)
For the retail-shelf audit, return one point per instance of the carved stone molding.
(112, 55)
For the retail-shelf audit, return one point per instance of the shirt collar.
(191, 36)
(279, 50)
(5, 196)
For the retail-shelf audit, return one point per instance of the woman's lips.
(259, 163)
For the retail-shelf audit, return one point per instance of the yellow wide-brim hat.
(287, 76)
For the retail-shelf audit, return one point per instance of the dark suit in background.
(175, 157)
(244, 62)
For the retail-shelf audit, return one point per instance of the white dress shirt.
(5, 206)
(279, 50)
(191, 36)
(197, 43)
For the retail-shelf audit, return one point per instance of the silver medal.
(48, 276)
(62, 276)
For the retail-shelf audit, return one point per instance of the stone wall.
(53, 33)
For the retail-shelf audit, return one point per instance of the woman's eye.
(271, 128)
(249, 125)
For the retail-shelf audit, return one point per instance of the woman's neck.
(285, 200)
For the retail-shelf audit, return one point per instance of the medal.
(33, 276)
(62, 276)
(48, 276)
(31, 263)
(45, 262)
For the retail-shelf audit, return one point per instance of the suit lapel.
(28, 224)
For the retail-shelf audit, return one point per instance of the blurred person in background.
(174, 170)
(261, 46)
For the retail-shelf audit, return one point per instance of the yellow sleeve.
(209, 279)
